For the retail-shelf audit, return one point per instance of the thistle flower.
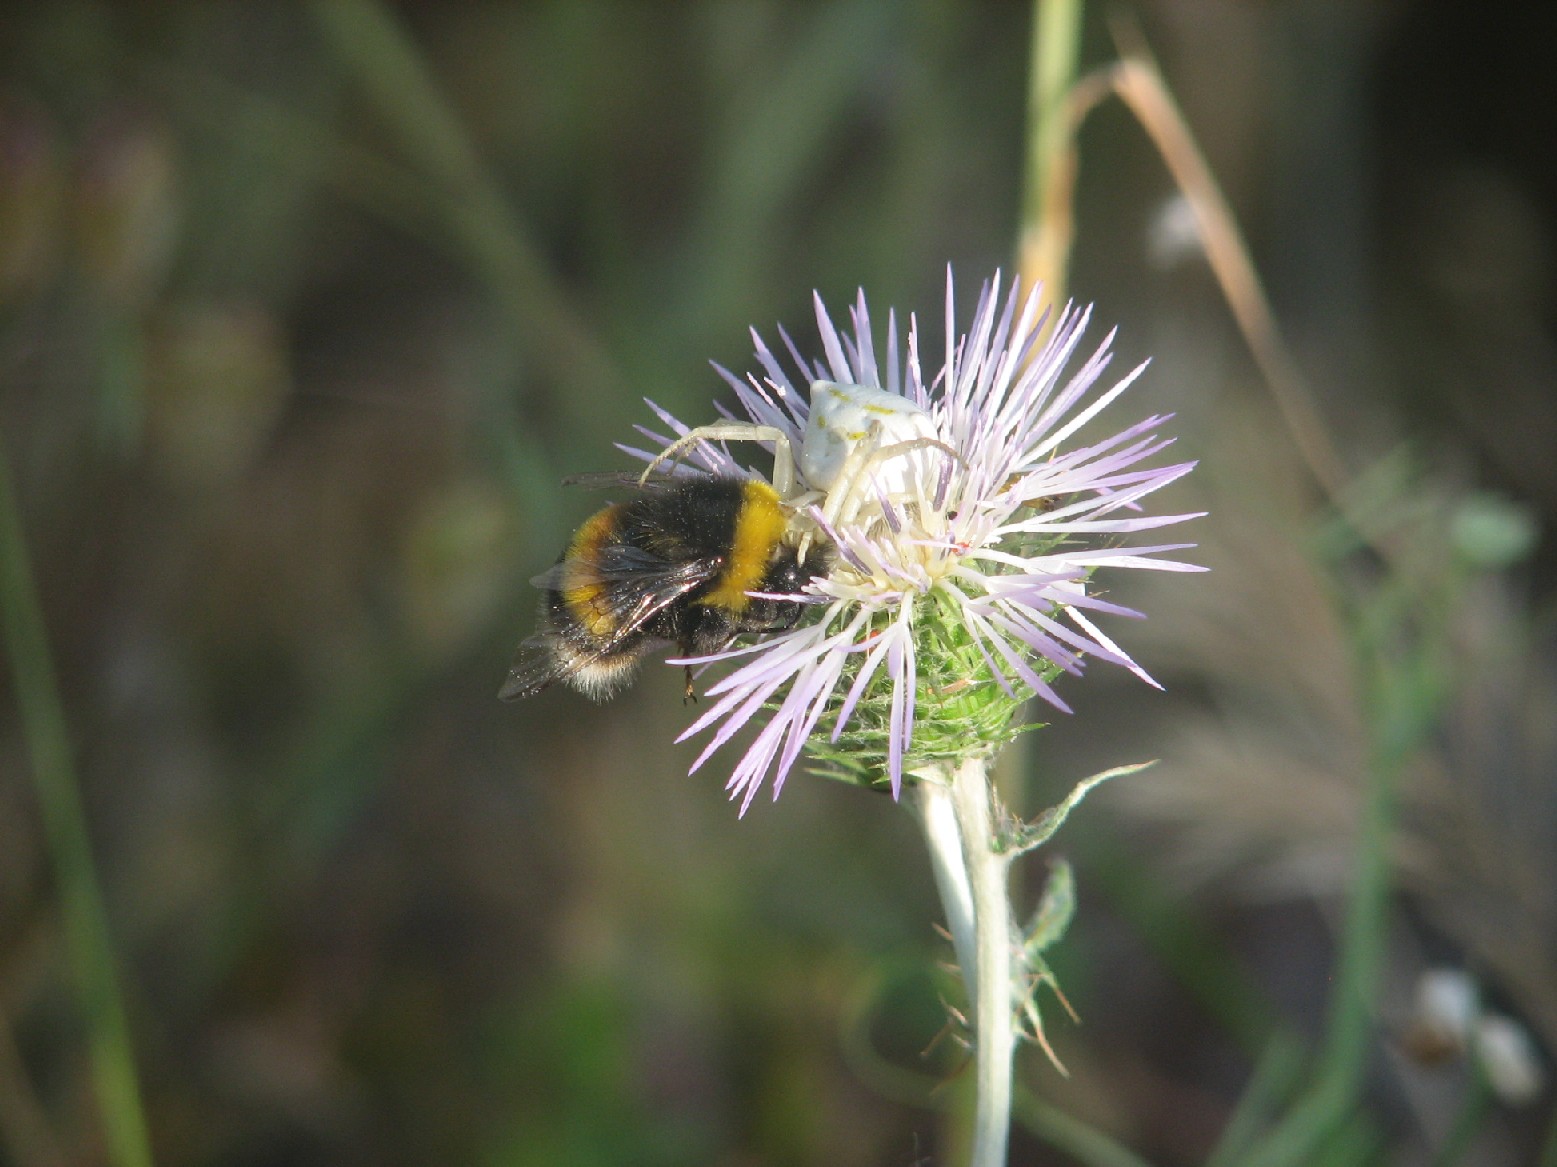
(963, 532)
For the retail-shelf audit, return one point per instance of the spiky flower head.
(965, 521)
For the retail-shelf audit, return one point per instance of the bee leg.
(691, 693)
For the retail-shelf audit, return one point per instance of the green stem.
(1470, 1120)
(64, 826)
(1549, 1150)
(943, 836)
(1044, 234)
(990, 983)
(1343, 1058)
(1275, 1076)
(1086, 1144)
(971, 872)
(1047, 220)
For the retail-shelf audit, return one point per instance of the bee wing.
(642, 586)
(658, 480)
(631, 572)
(601, 479)
(534, 668)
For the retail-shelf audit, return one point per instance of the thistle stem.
(971, 873)
(991, 987)
(943, 835)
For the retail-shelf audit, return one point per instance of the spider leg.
(854, 480)
(737, 431)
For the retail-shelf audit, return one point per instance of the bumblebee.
(673, 566)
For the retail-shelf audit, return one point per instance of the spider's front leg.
(738, 431)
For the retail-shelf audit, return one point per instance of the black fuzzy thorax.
(691, 521)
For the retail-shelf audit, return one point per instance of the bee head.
(790, 574)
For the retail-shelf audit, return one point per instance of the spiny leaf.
(1029, 836)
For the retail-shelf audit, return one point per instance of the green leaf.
(1029, 836)
(1055, 908)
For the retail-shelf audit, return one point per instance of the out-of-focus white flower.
(1509, 1059)
(1173, 235)
(1447, 1003)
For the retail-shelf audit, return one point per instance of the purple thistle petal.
(894, 384)
(915, 377)
(806, 376)
(837, 361)
(734, 710)
(1102, 639)
(985, 634)
(1031, 626)
(1018, 663)
(866, 359)
(810, 694)
(868, 669)
(900, 663)
(1136, 557)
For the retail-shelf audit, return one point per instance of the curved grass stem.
(64, 825)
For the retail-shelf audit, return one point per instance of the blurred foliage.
(305, 311)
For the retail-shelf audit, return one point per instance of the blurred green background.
(307, 310)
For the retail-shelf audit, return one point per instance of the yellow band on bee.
(759, 527)
(581, 586)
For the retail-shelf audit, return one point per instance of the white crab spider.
(849, 434)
